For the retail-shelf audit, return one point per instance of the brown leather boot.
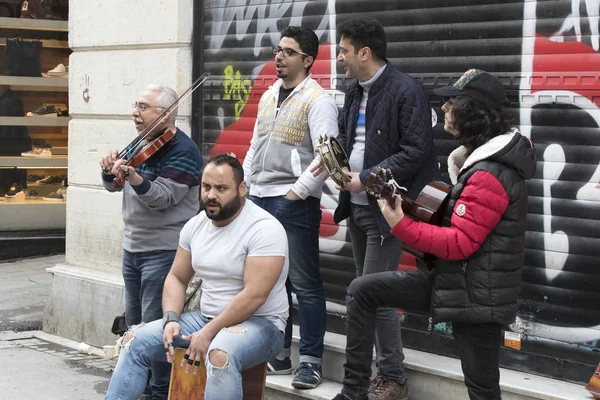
(383, 389)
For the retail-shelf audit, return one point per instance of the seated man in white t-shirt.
(240, 252)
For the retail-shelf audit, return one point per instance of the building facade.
(545, 52)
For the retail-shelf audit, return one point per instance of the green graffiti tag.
(236, 89)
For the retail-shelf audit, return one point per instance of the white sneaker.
(37, 153)
(59, 70)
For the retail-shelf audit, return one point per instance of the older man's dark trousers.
(478, 344)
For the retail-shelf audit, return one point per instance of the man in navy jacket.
(385, 122)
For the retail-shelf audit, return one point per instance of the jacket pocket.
(465, 273)
(296, 163)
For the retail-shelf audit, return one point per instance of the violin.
(145, 152)
(134, 154)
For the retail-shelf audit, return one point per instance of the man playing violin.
(159, 197)
(479, 248)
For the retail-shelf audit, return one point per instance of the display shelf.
(34, 24)
(29, 202)
(35, 121)
(54, 84)
(34, 163)
(46, 43)
(32, 215)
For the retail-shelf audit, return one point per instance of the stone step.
(430, 377)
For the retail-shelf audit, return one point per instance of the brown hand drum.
(191, 387)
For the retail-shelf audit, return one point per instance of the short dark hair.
(307, 40)
(236, 166)
(365, 32)
(478, 123)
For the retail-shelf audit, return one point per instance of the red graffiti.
(571, 66)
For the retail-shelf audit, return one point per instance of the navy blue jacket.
(398, 136)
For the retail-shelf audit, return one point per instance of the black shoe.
(52, 180)
(35, 178)
(308, 376)
(279, 367)
(15, 188)
(340, 396)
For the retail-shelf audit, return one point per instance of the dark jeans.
(479, 348)
(478, 344)
(144, 275)
(301, 219)
(372, 254)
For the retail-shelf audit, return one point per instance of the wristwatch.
(170, 316)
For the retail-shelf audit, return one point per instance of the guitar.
(428, 207)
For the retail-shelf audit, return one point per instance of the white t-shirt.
(219, 257)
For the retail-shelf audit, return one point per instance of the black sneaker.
(308, 376)
(15, 188)
(279, 367)
(52, 180)
(340, 396)
(35, 178)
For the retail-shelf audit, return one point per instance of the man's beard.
(224, 211)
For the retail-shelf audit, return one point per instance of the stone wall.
(119, 47)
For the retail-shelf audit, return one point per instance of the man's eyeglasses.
(143, 106)
(287, 52)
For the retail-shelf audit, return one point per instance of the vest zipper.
(270, 136)
(467, 280)
(430, 325)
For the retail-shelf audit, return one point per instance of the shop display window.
(34, 115)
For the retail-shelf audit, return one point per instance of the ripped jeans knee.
(218, 359)
(127, 340)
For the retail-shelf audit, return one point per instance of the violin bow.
(167, 111)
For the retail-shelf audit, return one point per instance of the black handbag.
(22, 58)
(119, 327)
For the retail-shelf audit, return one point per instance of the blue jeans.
(144, 275)
(257, 342)
(301, 220)
(372, 254)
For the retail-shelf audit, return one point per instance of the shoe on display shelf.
(52, 180)
(58, 71)
(47, 110)
(15, 194)
(35, 178)
(14, 190)
(37, 153)
(57, 197)
(38, 9)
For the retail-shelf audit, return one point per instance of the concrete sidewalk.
(36, 365)
(40, 366)
(24, 289)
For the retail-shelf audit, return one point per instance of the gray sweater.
(155, 211)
